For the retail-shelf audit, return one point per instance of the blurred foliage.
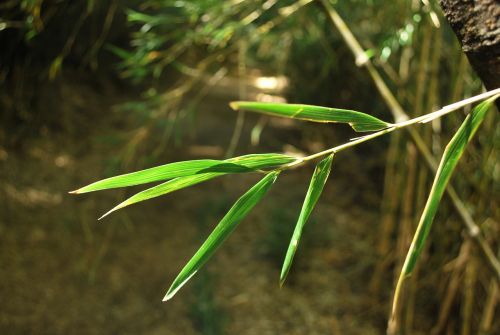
(207, 316)
(175, 51)
(205, 311)
(45, 33)
(179, 49)
(185, 44)
(38, 38)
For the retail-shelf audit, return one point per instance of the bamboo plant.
(179, 175)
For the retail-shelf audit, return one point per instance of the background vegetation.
(90, 89)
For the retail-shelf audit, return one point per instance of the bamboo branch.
(400, 116)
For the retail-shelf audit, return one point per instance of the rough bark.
(477, 26)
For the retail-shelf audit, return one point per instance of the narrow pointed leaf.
(164, 188)
(360, 122)
(249, 162)
(451, 156)
(240, 164)
(316, 186)
(225, 227)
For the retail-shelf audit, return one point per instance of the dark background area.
(92, 89)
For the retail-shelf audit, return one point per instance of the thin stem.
(421, 119)
(400, 115)
(242, 92)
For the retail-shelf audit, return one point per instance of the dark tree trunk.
(477, 26)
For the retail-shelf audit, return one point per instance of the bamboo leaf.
(451, 156)
(163, 189)
(240, 164)
(225, 227)
(360, 122)
(249, 162)
(316, 186)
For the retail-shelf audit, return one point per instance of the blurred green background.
(91, 89)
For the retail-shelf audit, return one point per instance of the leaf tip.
(123, 204)
(84, 189)
(282, 281)
(284, 274)
(234, 105)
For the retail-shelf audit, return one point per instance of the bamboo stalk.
(390, 205)
(425, 61)
(469, 290)
(391, 201)
(433, 99)
(429, 103)
(110, 15)
(406, 224)
(454, 284)
(240, 119)
(489, 308)
(399, 115)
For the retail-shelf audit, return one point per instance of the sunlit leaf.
(360, 122)
(233, 165)
(318, 181)
(451, 156)
(163, 189)
(240, 164)
(225, 227)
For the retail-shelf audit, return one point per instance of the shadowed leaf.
(360, 122)
(316, 186)
(451, 156)
(225, 227)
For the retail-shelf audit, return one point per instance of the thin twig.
(399, 115)
(404, 124)
(240, 120)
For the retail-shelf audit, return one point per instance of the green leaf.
(162, 189)
(451, 156)
(225, 227)
(360, 122)
(240, 164)
(316, 186)
(122, 53)
(233, 165)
